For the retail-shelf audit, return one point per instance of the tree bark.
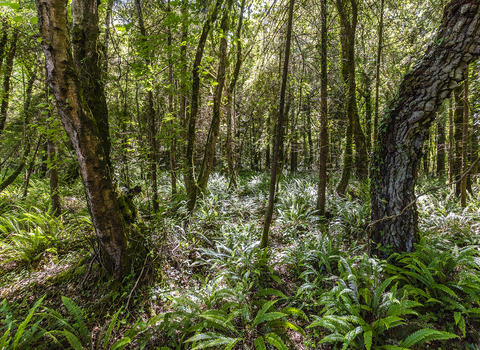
(463, 197)
(3, 42)
(457, 162)
(5, 96)
(278, 138)
(404, 128)
(441, 146)
(322, 177)
(450, 140)
(84, 133)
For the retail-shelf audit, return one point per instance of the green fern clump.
(363, 309)
(445, 282)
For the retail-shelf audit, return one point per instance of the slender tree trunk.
(368, 112)
(451, 173)
(5, 96)
(309, 132)
(152, 133)
(404, 130)
(27, 116)
(378, 63)
(457, 163)
(441, 146)
(86, 133)
(323, 178)
(189, 167)
(52, 169)
(278, 139)
(3, 42)
(209, 154)
(426, 155)
(463, 197)
(173, 124)
(231, 106)
(31, 165)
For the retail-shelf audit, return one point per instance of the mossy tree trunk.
(405, 127)
(87, 128)
(5, 94)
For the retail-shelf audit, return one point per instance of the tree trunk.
(322, 178)
(152, 134)
(377, 74)
(5, 96)
(451, 172)
(441, 147)
(401, 135)
(457, 163)
(463, 199)
(173, 124)
(86, 133)
(3, 42)
(189, 169)
(278, 138)
(212, 137)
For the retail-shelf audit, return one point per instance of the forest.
(239, 174)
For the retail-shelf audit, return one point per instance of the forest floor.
(317, 288)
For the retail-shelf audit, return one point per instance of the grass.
(317, 288)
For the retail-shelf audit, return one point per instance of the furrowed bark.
(405, 127)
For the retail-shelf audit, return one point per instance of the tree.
(322, 180)
(87, 131)
(404, 128)
(278, 137)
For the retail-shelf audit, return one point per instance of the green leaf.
(17, 18)
(73, 340)
(34, 20)
(259, 344)
(276, 341)
(14, 6)
(271, 291)
(268, 317)
(424, 335)
(24, 324)
(368, 339)
(110, 329)
(120, 344)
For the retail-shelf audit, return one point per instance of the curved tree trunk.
(85, 132)
(189, 168)
(209, 153)
(405, 127)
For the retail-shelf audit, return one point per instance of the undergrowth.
(317, 288)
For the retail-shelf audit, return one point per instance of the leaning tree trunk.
(83, 130)
(212, 137)
(405, 127)
(189, 167)
(5, 94)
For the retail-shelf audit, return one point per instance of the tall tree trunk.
(212, 137)
(3, 42)
(451, 137)
(368, 111)
(27, 116)
(52, 169)
(322, 177)
(86, 133)
(463, 197)
(404, 130)
(5, 96)
(173, 124)
(152, 134)
(189, 167)
(457, 163)
(278, 138)
(309, 131)
(441, 146)
(377, 73)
